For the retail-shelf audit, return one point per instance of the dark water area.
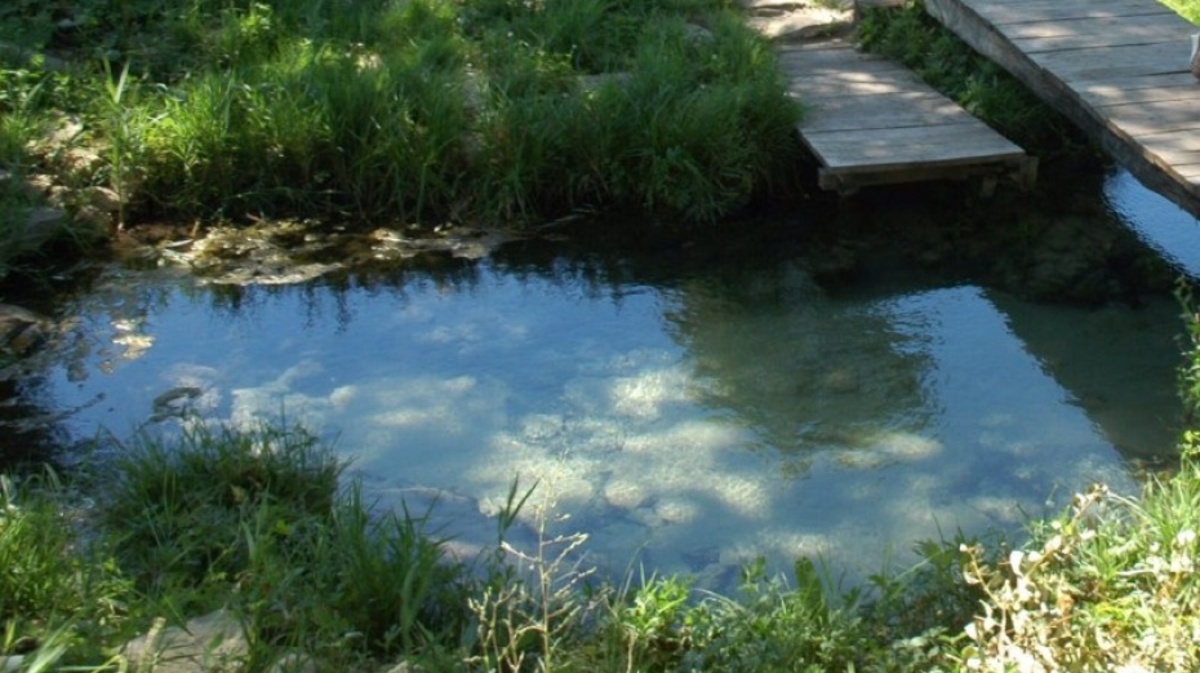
(834, 381)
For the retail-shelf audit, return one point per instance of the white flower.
(1185, 538)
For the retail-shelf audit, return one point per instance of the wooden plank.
(1005, 12)
(904, 147)
(1114, 30)
(894, 110)
(1138, 127)
(1083, 65)
(822, 87)
(839, 57)
(1167, 44)
(1162, 143)
(1178, 86)
(871, 121)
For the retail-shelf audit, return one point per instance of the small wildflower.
(1185, 538)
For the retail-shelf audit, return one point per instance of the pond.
(691, 407)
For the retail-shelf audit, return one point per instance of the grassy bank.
(410, 111)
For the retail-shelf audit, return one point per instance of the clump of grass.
(57, 591)
(35, 554)
(697, 126)
(254, 520)
(181, 505)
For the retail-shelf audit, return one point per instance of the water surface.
(689, 420)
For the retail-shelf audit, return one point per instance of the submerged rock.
(295, 251)
(21, 330)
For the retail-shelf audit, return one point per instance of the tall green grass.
(24, 93)
(428, 110)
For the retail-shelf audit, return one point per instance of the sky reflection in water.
(691, 426)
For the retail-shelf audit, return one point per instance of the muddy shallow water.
(690, 407)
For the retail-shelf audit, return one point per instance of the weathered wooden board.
(1140, 90)
(896, 110)
(1112, 62)
(1117, 68)
(1096, 31)
(898, 148)
(871, 121)
(1004, 12)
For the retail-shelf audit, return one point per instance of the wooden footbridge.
(1117, 68)
(871, 121)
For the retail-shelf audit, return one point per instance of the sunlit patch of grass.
(427, 110)
(1188, 8)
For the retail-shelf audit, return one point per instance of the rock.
(591, 83)
(841, 381)
(28, 57)
(787, 20)
(21, 330)
(80, 165)
(404, 667)
(99, 221)
(39, 184)
(175, 403)
(59, 196)
(100, 198)
(696, 33)
(212, 642)
(294, 662)
(42, 223)
(68, 129)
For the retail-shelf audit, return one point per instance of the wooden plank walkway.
(1117, 68)
(870, 121)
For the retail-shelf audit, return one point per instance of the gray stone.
(69, 128)
(21, 330)
(214, 642)
(404, 667)
(80, 165)
(697, 33)
(787, 20)
(100, 198)
(39, 183)
(294, 662)
(98, 220)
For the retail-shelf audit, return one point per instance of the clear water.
(687, 423)
(1174, 233)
